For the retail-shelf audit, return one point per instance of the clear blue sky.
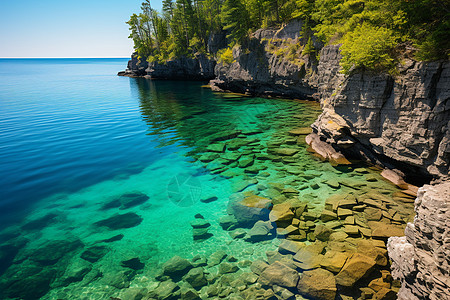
(60, 28)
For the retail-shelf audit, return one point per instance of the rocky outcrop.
(399, 122)
(270, 64)
(421, 259)
(198, 68)
(136, 66)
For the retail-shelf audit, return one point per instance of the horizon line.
(15, 57)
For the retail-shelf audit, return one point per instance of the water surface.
(99, 170)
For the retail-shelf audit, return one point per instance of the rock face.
(421, 259)
(259, 69)
(198, 68)
(136, 66)
(401, 122)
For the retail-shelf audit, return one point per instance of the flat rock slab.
(317, 284)
(279, 274)
(356, 267)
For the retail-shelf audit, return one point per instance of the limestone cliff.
(399, 122)
(198, 68)
(421, 258)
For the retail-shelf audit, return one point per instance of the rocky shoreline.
(401, 123)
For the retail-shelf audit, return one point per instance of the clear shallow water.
(75, 138)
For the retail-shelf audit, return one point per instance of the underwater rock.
(216, 258)
(300, 131)
(29, 287)
(384, 230)
(246, 162)
(220, 148)
(322, 232)
(189, 294)
(51, 252)
(261, 231)
(290, 247)
(333, 261)
(133, 263)
(126, 201)
(196, 277)
(164, 290)
(238, 233)
(279, 274)
(250, 209)
(119, 221)
(94, 254)
(286, 151)
(132, 199)
(228, 222)
(356, 267)
(200, 223)
(75, 274)
(258, 266)
(209, 199)
(201, 233)
(225, 268)
(176, 267)
(113, 239)
(40, 223)
(281, 213)
(317, 284)
(224, 135)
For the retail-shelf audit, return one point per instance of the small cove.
(153, 155)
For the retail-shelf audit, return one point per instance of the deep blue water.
(67, 124)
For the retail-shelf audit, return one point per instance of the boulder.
(322, 233)
(250, 209)
(317, 284)
(196, 277)
(176, 267)
(281, 213)
(333, 261)
(262, 230)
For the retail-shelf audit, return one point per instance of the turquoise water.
(100, 169)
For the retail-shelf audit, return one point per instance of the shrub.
(225, 56)
(368, 47)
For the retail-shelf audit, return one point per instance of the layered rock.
(399, 122)
(198, 68)
(421, 259)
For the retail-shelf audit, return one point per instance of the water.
(100, 169)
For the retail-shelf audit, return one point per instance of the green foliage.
(309, 47)
(225, 56)
(369, 47)
(368, 29)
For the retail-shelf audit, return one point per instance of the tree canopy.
(372, 32)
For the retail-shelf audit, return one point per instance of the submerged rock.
(133, 263)
(279, 274)
(94, 254)
(176, 267)
(196, 277)
(317, 284)
(119, 221)
(356, 267)
(250, 209)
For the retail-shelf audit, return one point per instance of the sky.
(61, 28)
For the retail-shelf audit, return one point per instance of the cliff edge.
(421, 258)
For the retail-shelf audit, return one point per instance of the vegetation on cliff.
(374, 34)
